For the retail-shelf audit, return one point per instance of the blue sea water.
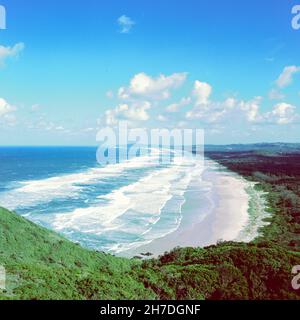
(111, 208)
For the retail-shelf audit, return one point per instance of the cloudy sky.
(229, 67)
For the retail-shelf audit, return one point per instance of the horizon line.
(94, 146)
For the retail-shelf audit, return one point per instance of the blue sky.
(230, 67)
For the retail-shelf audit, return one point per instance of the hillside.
(42, 265)
(225, 271)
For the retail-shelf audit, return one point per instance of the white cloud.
(142, 85)
(48, 126)
(204, 108)
(59, 128)
(216, 111)
(230, 103)
(202, 92)
(282, 113)
(225, 111)
(135, 112)
(5, 107)
(125, 23)
(175, 107)
(35, 107)
(141, 94)
(6, 52)
(286, 76)
(87, 130)
(251, 109)
(275, 95)
(9, 119)
(143, 91)
(161, 117)
(182, 124)
(216, 115)
(41, 123)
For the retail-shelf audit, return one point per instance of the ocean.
(112, 208)
(135, 206)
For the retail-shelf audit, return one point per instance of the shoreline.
(222, 212)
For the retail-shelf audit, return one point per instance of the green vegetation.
(226, 271)
(42, 265)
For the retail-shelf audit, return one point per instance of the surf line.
(111, 310)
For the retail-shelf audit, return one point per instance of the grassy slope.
(40, 265)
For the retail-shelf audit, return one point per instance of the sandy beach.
(216, 208)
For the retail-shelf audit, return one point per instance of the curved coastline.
(222, 206)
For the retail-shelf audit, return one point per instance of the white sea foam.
(146, 210)
(66, 186)
(125, 218)
(143, 201)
